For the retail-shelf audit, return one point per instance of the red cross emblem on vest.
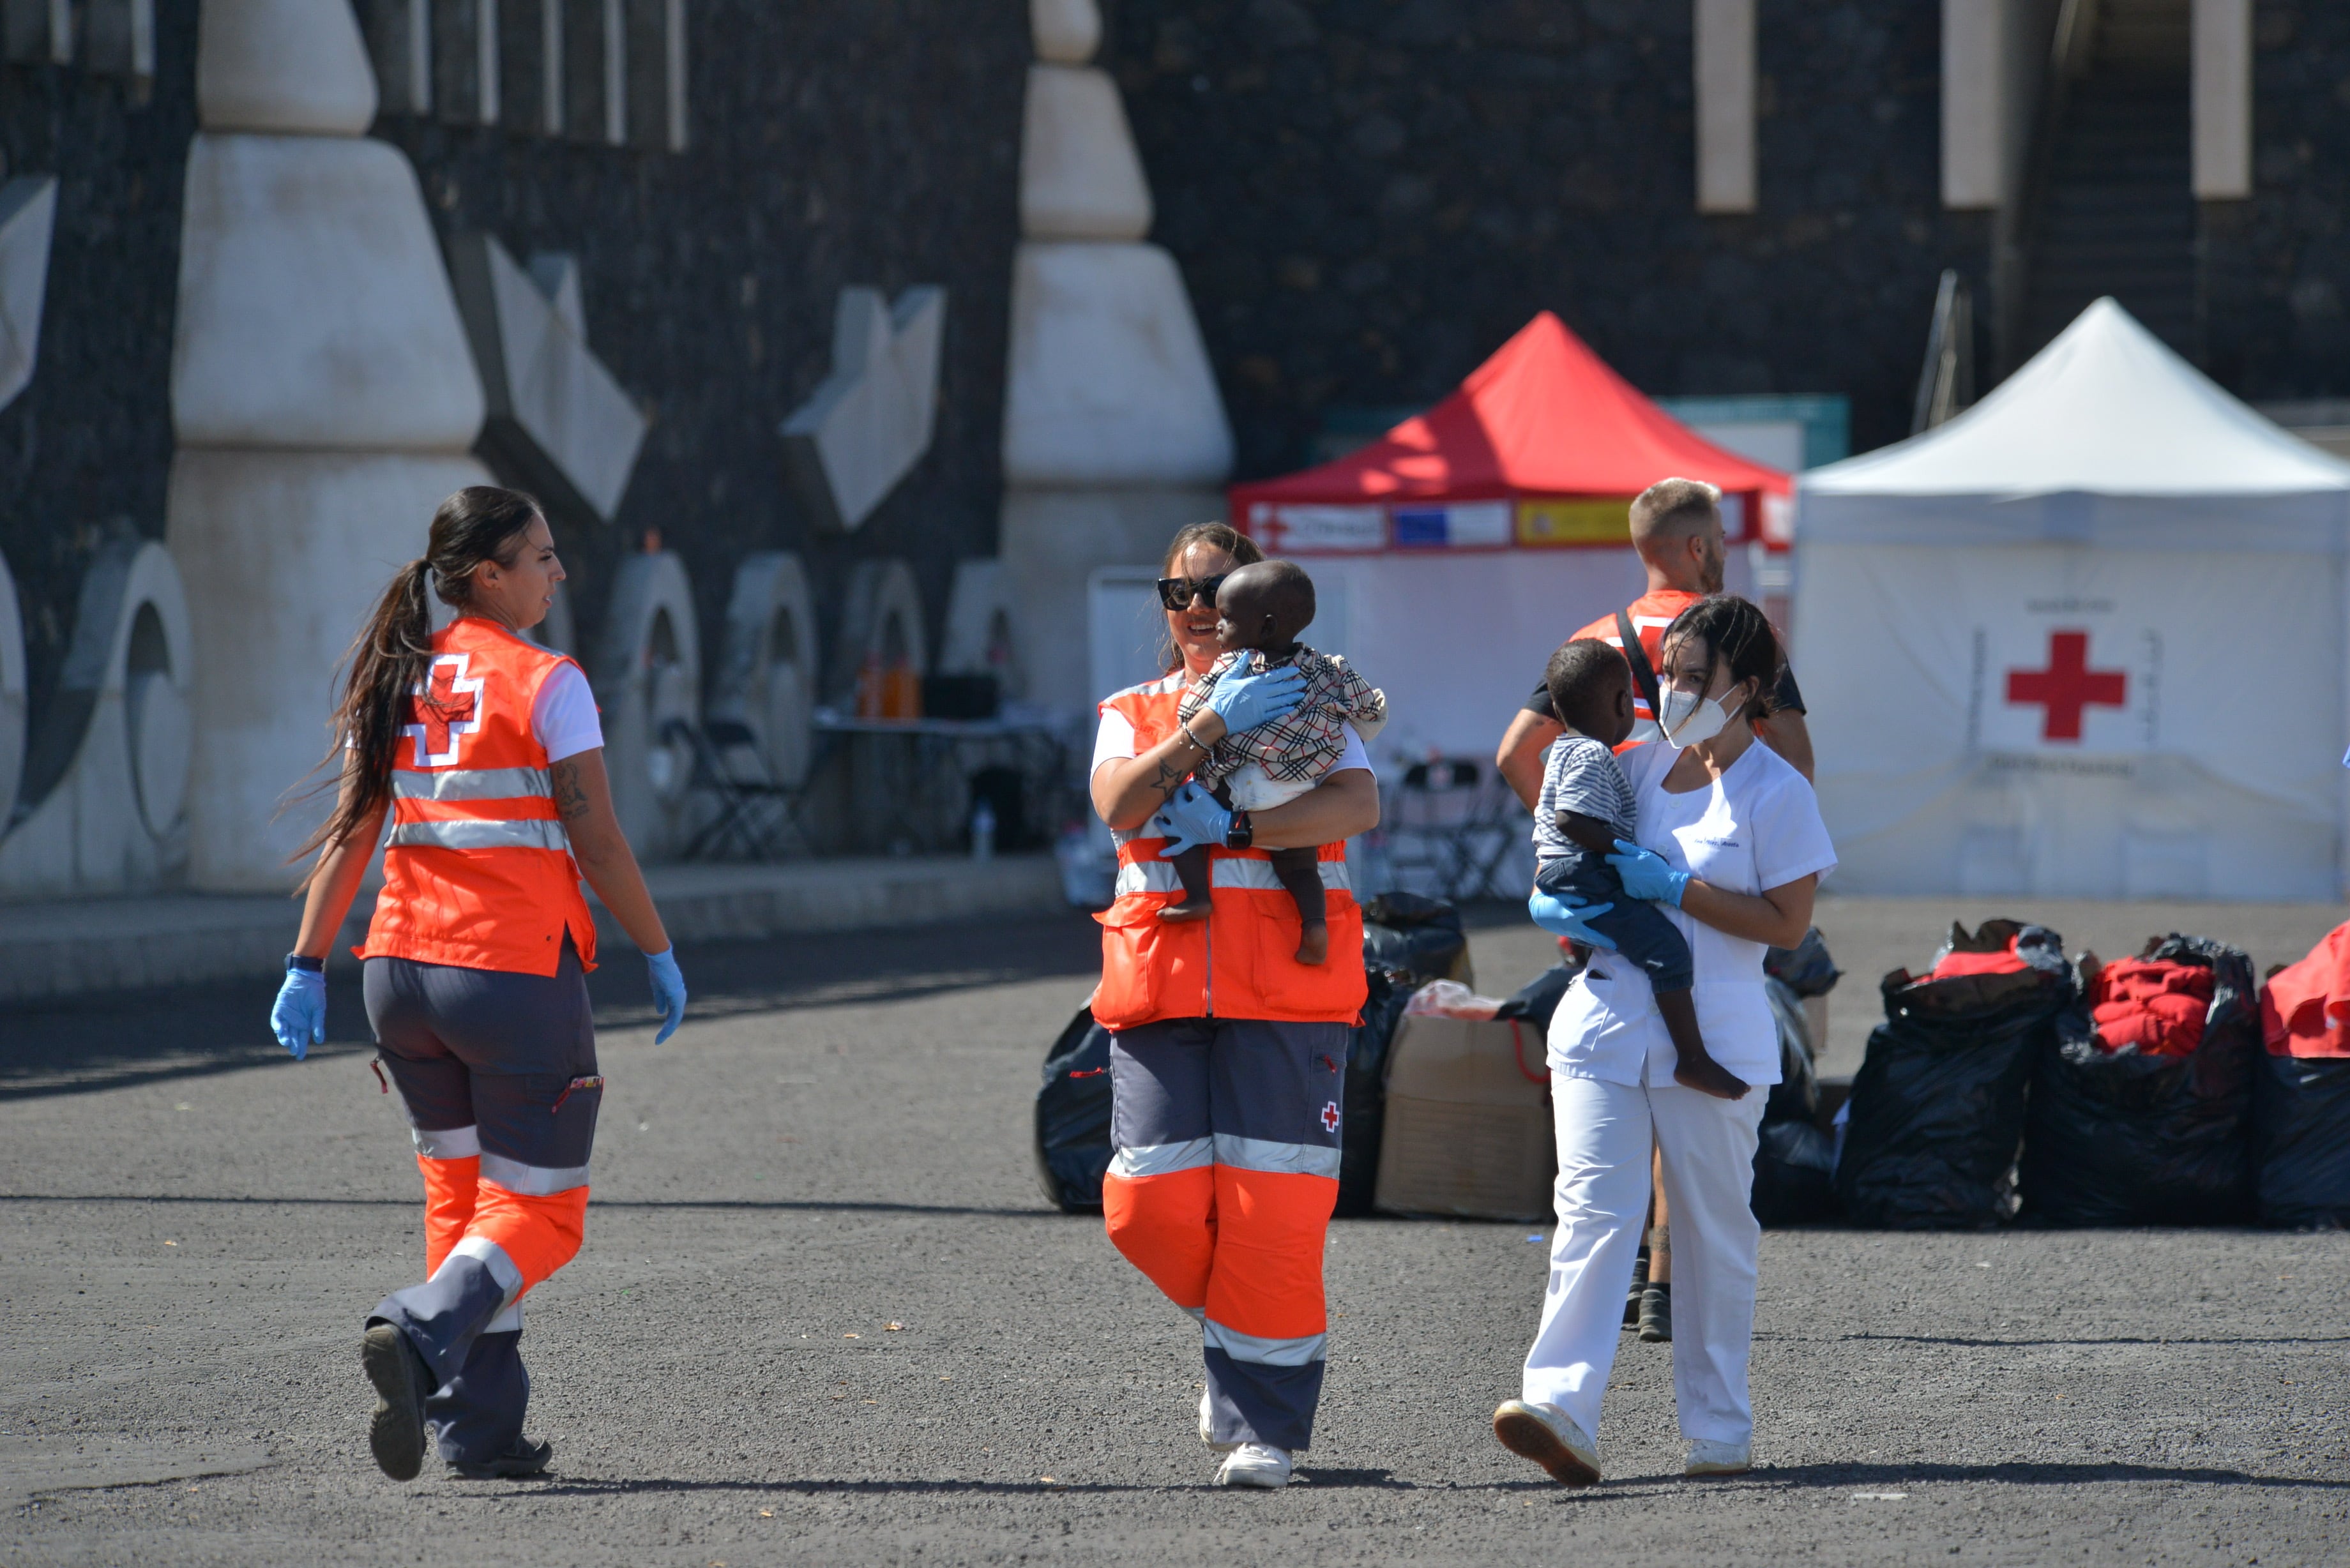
(1330, 1116)
(2067, 686)
(445, 706)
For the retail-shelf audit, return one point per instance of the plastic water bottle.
(983, 831)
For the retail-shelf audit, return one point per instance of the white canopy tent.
(2087, 639)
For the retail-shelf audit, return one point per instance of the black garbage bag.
(2301, 1140)
(1417, 937)
(1936, 1109)
(2119, 1137)
(1796, 1097)
(1794, 1161)
(1794, 1175)
(1363, 1103)
(1072, 1143)
(1539, 998)
(1805, 969)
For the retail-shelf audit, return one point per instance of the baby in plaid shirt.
(1260, 610)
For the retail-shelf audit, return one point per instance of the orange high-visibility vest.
(478, 871)
(1242, 961)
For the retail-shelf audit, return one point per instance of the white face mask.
(1689, 720)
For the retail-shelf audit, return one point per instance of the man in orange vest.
(1677, 530)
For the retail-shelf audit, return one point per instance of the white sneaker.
(1712, 1459)
(1254, 1464)
(1548, 1436)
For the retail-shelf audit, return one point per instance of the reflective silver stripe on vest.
(447, 1143)
(1162, 1158)
(1148, 877)
(471, 783)
(1300, 1352)
(1158, 875)
(508, 1321)
(535, 833)
(1257, 875)
(1277, 1158)
(531, 1181)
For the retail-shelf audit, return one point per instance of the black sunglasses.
(1177, 592)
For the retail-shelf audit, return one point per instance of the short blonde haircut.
(1675, 509)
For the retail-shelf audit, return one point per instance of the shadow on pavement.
(2122, 1339)
(121, 1040)
(2009, 1473)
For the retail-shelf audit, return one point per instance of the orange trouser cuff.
(449, 1189)
(1267, 1278)
(540, 1234)
(1166, 1227)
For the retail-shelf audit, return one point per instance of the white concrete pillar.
(1974, 118)
(324, 398)
(1113, 432)
(2222, 104)
(1726, 178)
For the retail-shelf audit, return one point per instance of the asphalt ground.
(823, 1316)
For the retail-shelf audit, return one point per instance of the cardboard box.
(1468, 1121)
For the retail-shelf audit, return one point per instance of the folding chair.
(1446, 827)
(754, 811)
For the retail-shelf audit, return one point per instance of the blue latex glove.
(1189, 817)
(300, 1017)
(1244, 699)
(1562, 918)
(1646, 875)
(669, 991)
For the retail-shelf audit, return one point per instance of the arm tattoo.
(570, 797)
(1170, 776)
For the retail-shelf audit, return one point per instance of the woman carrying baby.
(1228, 1055)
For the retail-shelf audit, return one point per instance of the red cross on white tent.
(2067, 686)
(1330, 1116)
(445, 706)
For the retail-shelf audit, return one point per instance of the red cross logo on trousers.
(445, 706)
(2067, 686)
(1330, 1116)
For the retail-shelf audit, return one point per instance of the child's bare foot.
(1314, 944)
(1185, 911)
(1708, 1077)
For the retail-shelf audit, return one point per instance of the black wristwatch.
(295, 960)
(1242, 833)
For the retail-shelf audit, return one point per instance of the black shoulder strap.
(1644, 679)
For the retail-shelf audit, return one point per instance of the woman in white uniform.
(1731, 842)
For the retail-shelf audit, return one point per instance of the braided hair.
(1737, 632)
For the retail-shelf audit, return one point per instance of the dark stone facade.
(1368, 196)
(875, 143)
(85, 449)
(2277, 271)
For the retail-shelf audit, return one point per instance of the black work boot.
(522, 1457)
(402, 1383)
(1640, 1286)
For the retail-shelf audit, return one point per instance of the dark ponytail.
(388, 660)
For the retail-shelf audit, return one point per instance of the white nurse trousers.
(1604, 1138)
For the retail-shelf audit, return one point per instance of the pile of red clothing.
(1952, 964)
(2157, 1006)
(2305, 1007)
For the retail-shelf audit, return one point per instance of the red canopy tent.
(1541, 447)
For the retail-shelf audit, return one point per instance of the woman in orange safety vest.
(485, 750)
(1227, 1055)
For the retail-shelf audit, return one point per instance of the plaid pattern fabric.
(1308, 742)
